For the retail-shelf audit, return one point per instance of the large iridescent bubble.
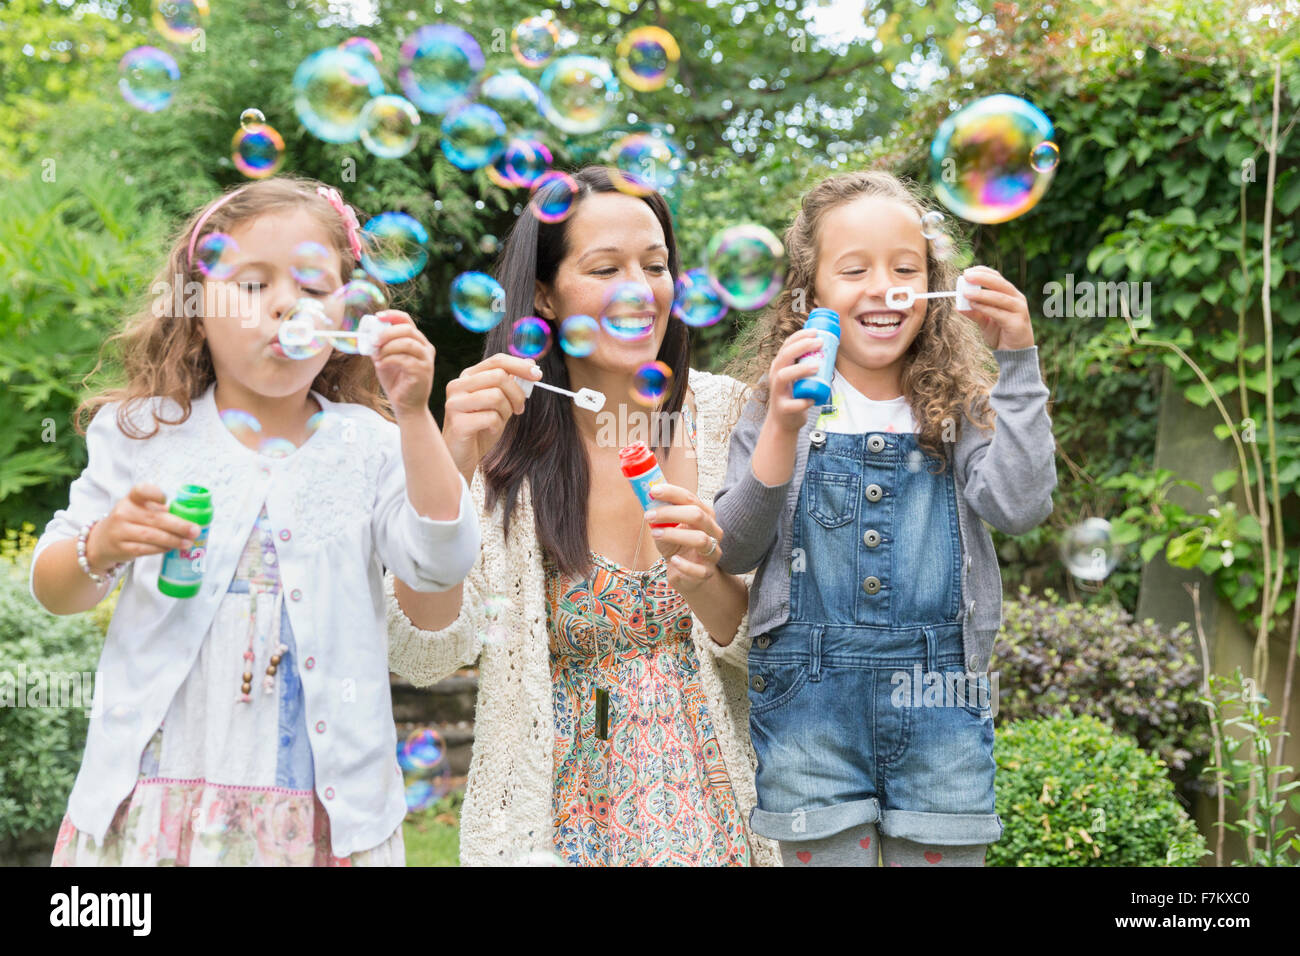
(438, 66)
(629, 311)
(331, 89)
(647, 58)
(148, 78)
(982, 159)
(533, 41)
(477, 301)
(350, 303)
(257, 150)
(746, 264)
(180, 21)
(390, 126)
(579, 94)
(697, 302)
(472, 136)
(396, 250)
(513, 95)
(645, 163)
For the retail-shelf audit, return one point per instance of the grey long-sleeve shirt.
(1004, 477)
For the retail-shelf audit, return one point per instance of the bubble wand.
(587, 398)
(902, 297)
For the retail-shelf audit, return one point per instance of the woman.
(665, 638)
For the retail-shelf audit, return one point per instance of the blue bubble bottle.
(826, 322)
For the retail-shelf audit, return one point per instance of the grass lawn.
(432, 836)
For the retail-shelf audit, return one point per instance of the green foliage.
(1240, 718)
(1071, 791)
(76, 255)
(40, 746)
(1098, 661)
(1156, 108)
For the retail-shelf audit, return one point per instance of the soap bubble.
(494, 635)
(579, 94)
(932, 224)
(477, 301)
(243, 425)
(697, 302)
(180, 21)
(331, 88)
(1089, 551)
(488, 245)
(645, 163)
(980, 159)
(523, 162)
(358, 298)
(746, 264)
(629, 312)
(422, 756)
(315, 422)
(257, 151)
(553, 196)
(311, 262)
(438, 67)
(306, 314)
(390, 126)
(365, 46)
(473, 136)
(251, 117)
(530, 337)
(148, 78)
(647, 57)
(942, 247)
(494, 605)
(216, 255)
(579, 335)
(1045, 157)
(650, 383)
(277, 448)
(533, 41)
(395, 250)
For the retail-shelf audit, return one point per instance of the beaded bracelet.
(82, 536)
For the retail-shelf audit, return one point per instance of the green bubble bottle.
(182, 568)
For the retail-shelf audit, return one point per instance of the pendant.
(602, 713)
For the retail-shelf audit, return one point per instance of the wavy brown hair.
(158, 353)
(948, 369)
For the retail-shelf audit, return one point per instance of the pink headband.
(330, 194)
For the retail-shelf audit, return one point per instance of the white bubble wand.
(587, 398)
(298, 332)
(901, 296)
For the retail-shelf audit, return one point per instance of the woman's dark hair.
(542, 445)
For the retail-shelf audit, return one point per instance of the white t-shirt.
(856, 414)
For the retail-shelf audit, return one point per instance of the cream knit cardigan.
(508, 810)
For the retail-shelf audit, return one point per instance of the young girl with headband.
(251, 723)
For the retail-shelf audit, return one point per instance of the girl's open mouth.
(881, 325)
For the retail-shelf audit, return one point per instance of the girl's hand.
(999, 309)
(404, 363)
(783, 409)
(138, 525)
(479, 404)
(693, 548)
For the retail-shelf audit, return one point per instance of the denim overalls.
(861, 709)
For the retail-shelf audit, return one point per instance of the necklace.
(602, 692)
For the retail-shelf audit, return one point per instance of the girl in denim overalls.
(877, 594)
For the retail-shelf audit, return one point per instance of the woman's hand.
(138, 525)
(479, 404)
(999, 309)
(404, 363)
(783, 409)
(693, 548)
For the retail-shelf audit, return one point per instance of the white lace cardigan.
(508, 801)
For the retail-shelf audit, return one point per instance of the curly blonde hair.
(948, 369)
(160, 353)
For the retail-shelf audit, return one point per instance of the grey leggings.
(862, 846)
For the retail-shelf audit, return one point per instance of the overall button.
(871, 538)
(874, 492)
(764, 642)
(758, 683)
(876, 443)
(818, 438)
(871, 585)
